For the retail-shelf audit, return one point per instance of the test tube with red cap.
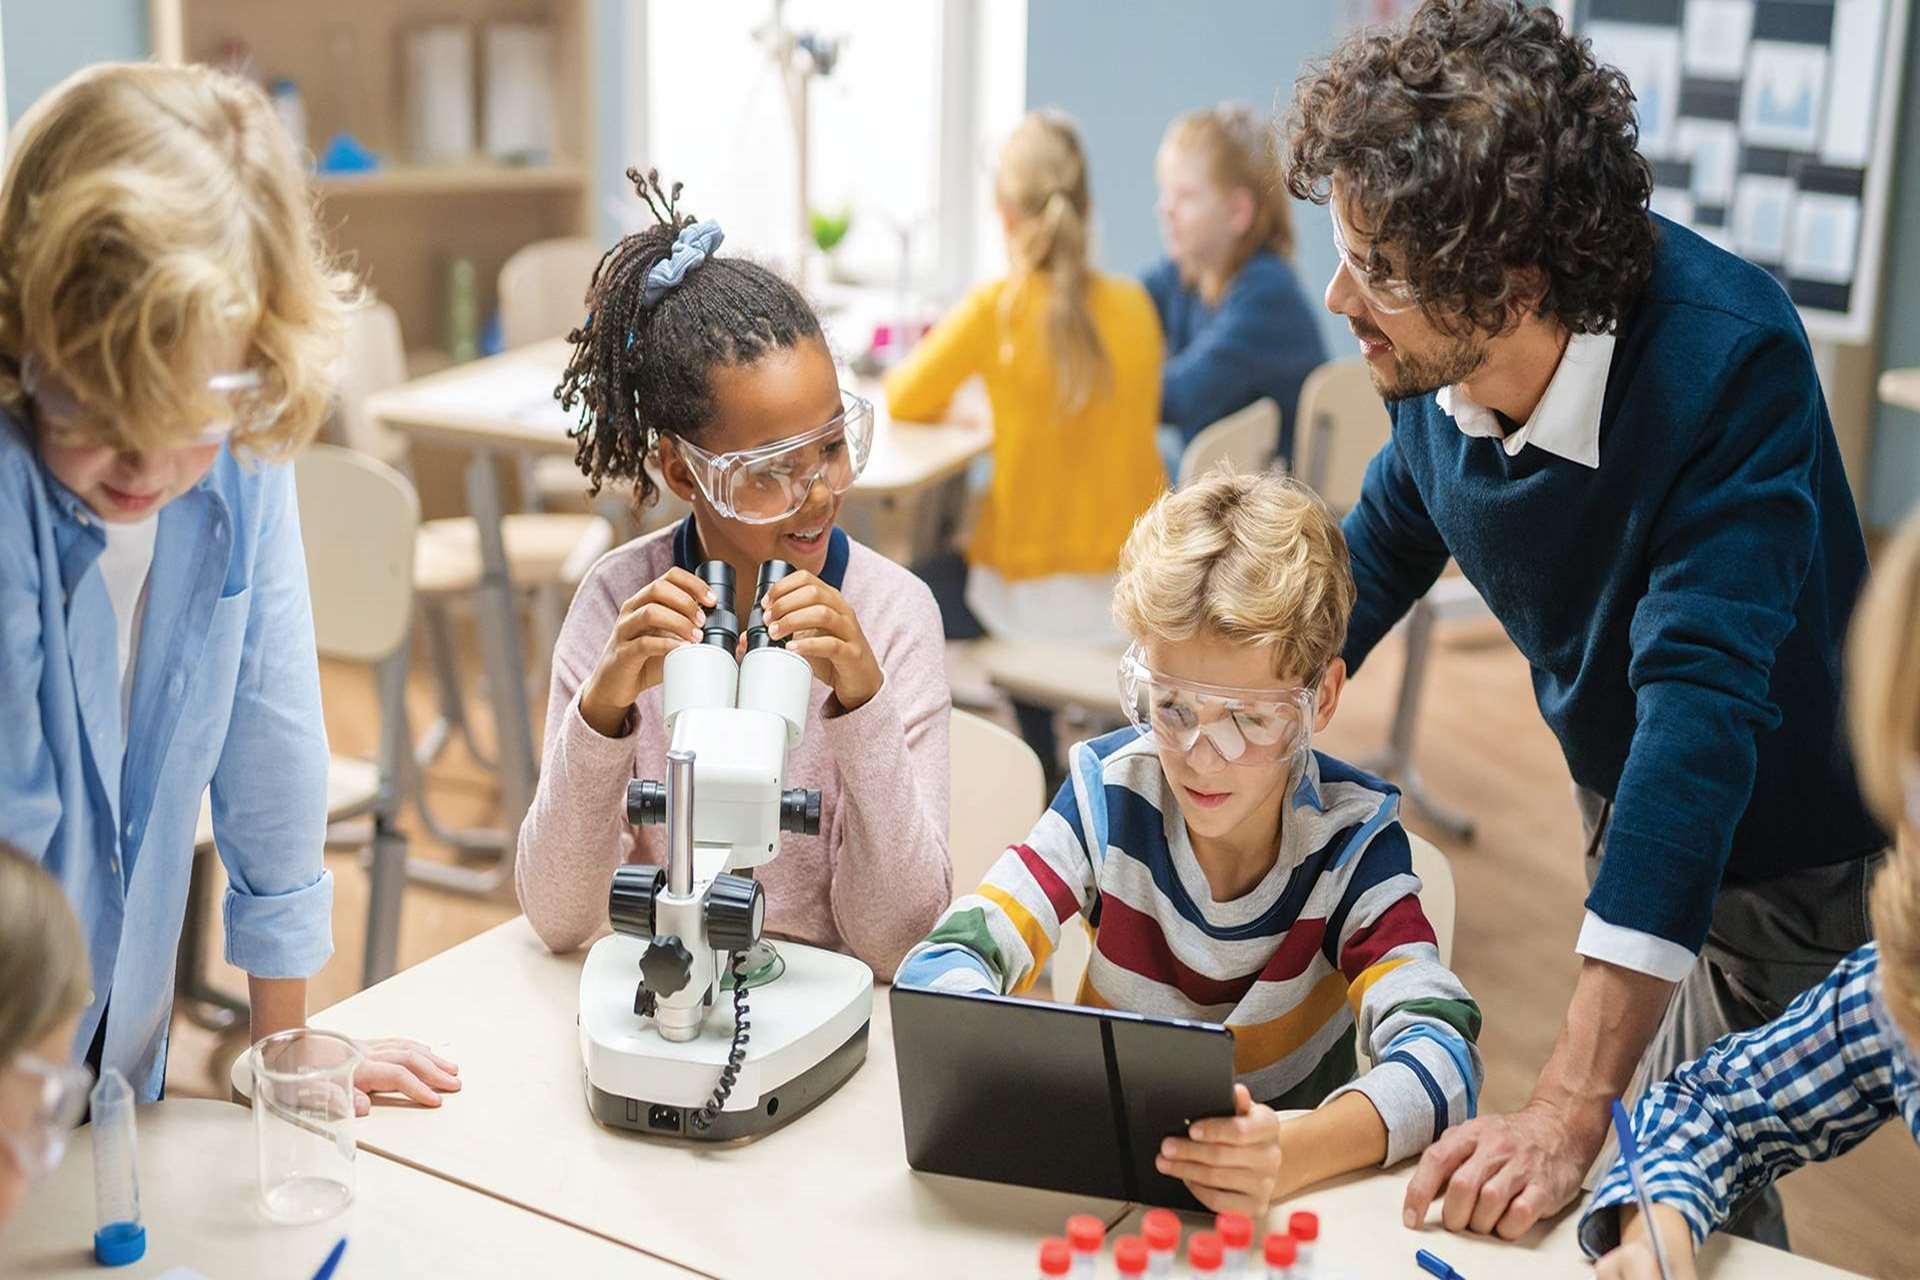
(1203, 1254)
(1130, 1256)
(1304, 1227)
(1236, 1242)
(1088, 1236)
(1056, 1259)
(1282, 1251)
(1161, 1230)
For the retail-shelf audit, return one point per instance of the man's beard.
(1411, 375)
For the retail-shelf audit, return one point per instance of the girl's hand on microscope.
(663, 615)
(818, 624)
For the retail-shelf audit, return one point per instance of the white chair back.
(1436, 891)
(543, 289)
(1245, 439)
(373, 358)
(1341, 424)
(358, 518)
(999, 792)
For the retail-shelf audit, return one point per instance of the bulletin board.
(1770, 128)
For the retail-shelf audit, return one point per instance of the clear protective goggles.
(1245, 726)
(40, 1105)
(72, 424)
(770, 483)
(1389, 297)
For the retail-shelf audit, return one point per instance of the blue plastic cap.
(118, 1243)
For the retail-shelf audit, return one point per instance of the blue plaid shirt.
(1810, 1085)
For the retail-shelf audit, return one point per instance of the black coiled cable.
(736, 1055)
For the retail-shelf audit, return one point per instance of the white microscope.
(662, 1054)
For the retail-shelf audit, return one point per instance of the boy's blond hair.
(1257, 558)
(1241, 154)
(43, 958)
(150, 214)
(1883, 660)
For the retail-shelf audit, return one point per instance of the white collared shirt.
(1566, 423)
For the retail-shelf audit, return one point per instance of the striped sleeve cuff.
(1673, 1183)
(944, 967)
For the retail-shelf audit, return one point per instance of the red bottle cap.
(1236, 1230)
(1086, 1233)
(1204, 1252)
(1056, 1259)
(1304, 1227)
(1161, 1228)
(1130, 1256)
(1281, 1250)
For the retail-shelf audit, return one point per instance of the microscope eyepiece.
(757, 638)
(723, 624)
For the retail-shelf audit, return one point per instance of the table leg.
(499, 624)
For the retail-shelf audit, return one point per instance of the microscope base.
(808, 1034)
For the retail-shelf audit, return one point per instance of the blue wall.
(47, 41)
(1895, 481)
(1124, 70)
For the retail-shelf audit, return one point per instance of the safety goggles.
(40, 1105)
(1245, 726)
(770, 483)
(71, 424)
(1389, 297)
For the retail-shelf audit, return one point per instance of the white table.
(830, 1194)
(505, 404)
(1361, 1236)
(198, 1199)
(1901, 388)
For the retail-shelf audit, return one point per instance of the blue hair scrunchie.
(691, 247)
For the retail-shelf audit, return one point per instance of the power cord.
(736, 1055)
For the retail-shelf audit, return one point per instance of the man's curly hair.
(1479, 140)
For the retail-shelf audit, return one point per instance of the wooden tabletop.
(830, 1194)
(199, 1200)
(1901, 388)
(1361, 1236)
(506, 401)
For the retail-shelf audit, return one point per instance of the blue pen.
(332, 1263)
(1436, 1266)
(1630, 1156)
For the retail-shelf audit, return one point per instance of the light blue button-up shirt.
(226, 695)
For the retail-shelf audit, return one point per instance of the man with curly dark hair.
(1616, 430)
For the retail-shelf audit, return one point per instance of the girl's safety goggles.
(1389, 297)
(72, 424)
(770, 483)
(40, 1104)
(1246, 726)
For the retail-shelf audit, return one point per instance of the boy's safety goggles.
(72, 424)
(770, 483)
(40, 1104)
(1246, 726)
(1389, 297)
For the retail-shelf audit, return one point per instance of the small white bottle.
(1130, 1257)
(1161, 1230)
(1304, 1227)
(1236, 1242)
(119, 1236)
(1087, 1236)
(1056, 1259)
(1281, 1252)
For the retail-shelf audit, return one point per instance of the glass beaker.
(303, 1123)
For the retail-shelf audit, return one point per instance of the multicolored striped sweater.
(1329, 949)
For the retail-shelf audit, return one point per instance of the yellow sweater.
(1066, 489)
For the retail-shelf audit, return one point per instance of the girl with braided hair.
(712, 372)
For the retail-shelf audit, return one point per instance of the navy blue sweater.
(1260, 341)
(1683, 607)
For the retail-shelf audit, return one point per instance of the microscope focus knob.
(736, 910)
(800, 812)
(666, 966)
(631, 897)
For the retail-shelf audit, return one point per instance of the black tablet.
(1050, 1095)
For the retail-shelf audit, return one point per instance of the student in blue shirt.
(1238, 326)
(167, 322)
(1844, 1059)
(1616, 430)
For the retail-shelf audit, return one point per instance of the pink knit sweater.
(876, 877)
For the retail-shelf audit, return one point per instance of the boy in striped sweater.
(1230, 873)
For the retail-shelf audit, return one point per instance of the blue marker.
(1436, 1266)
(328, 1267)
(1630, 1156)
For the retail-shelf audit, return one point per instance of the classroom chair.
(358, 519)
(548, 554)
(998, 792)
(1342, 425)
(1245, 439)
